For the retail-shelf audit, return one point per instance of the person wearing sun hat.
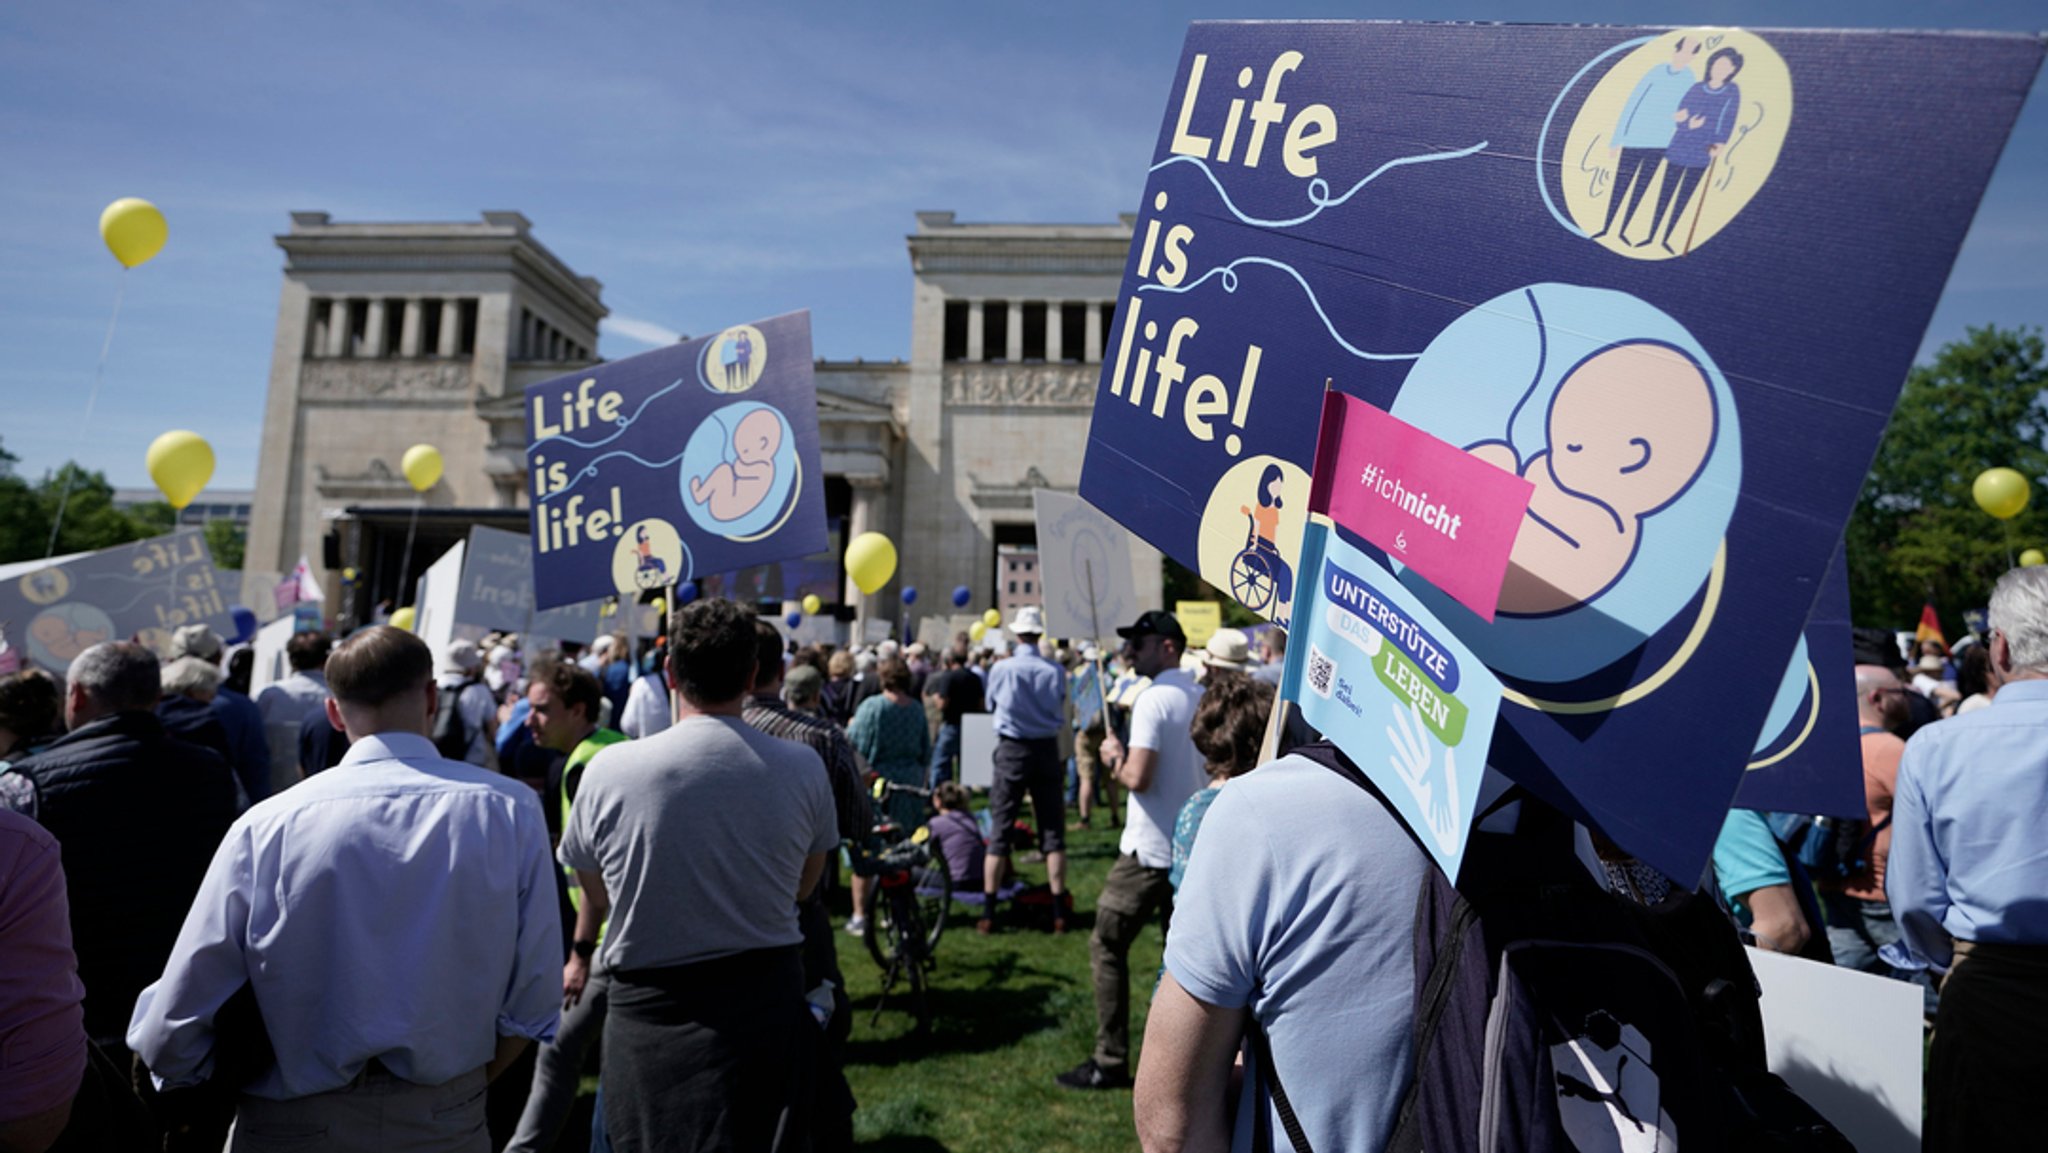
(1229, 650)
(1028, 695)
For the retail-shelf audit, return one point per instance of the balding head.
(1880, 698)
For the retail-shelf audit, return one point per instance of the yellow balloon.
(992, 618)
(976, 631)
(659, 606)
(180, 463)
(2032, 557)
(422, 465)
(812, 604)
(870, 561)
(133, 229)
(348, 574)
(2002, 492)
(402, 619)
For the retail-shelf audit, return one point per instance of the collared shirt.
(854, 815)
(1027, 694)
(399, 907)
(1966, 857)
(284, 706)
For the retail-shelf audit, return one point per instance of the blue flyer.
(697, 458)
(1372, 668)
(1671, 278)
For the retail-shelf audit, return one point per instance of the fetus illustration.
(739, 484)
(1629, 429)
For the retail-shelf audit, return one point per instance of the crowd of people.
(397, 902)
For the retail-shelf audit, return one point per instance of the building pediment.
(377, 481)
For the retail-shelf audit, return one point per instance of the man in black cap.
(1160, 769)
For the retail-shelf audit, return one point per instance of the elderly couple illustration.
(1676, 120)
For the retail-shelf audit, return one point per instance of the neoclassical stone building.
(394, 334)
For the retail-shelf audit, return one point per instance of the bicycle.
(909, 913)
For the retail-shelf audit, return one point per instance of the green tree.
(90, 519)
(1917, 533)
(225, 540)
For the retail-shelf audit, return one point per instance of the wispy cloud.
(638, 331)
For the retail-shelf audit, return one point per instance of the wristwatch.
(584, 949)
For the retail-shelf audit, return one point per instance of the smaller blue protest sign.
(1375, 671)
(144, 590)
(697, 458)
(1808, 759)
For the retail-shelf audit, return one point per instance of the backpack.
(451, 735)
(1550, 1014)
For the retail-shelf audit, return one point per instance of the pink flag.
(1429, 504)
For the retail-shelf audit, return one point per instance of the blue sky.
(708, 164)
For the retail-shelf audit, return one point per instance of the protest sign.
(1808, 758)
(1849, 1043)
(497, 591)
(1686, 336)
(144, 590)
(1446, 513)
(440, 587)
(978, 750)
(1198, 619)
(1084, 568)
(697, 458)
(268, 665)
(1380, 676)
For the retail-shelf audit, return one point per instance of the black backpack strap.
(1262, 1052)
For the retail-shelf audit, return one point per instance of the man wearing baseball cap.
(1161, 769)
(1028, 695)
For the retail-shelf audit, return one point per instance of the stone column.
(373, 332)
(451, 320)
(1093, 334)
(1015, 350)
(976, 332)
(866, 514)
(337, 327)
(409, 331)
(1054, 332)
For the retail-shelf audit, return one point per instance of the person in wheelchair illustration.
(1259, 578)
(650, 571)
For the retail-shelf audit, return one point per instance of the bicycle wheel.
(877, 934)
(910, 943)
(934, 898)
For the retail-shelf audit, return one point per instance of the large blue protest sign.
(1374, 670)
(1672, 278)
(142, 590)
(1808, 758)
(697, 458)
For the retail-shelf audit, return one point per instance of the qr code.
(1322, 671)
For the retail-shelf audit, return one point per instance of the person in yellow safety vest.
(564, 701)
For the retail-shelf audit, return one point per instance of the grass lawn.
(1008, 1012)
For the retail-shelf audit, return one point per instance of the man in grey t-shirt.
(698, 842)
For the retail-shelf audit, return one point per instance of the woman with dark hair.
(1229, 726)
(890, 732)
(1975, 682)
(31, 713)
(1265, 534)
(1705, 122)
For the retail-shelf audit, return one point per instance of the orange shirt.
(1881, 753)
(1268, 519)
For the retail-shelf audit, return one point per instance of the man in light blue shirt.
(394, 920)
(1027, 692)
(1644, 131)
(1968, 884)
